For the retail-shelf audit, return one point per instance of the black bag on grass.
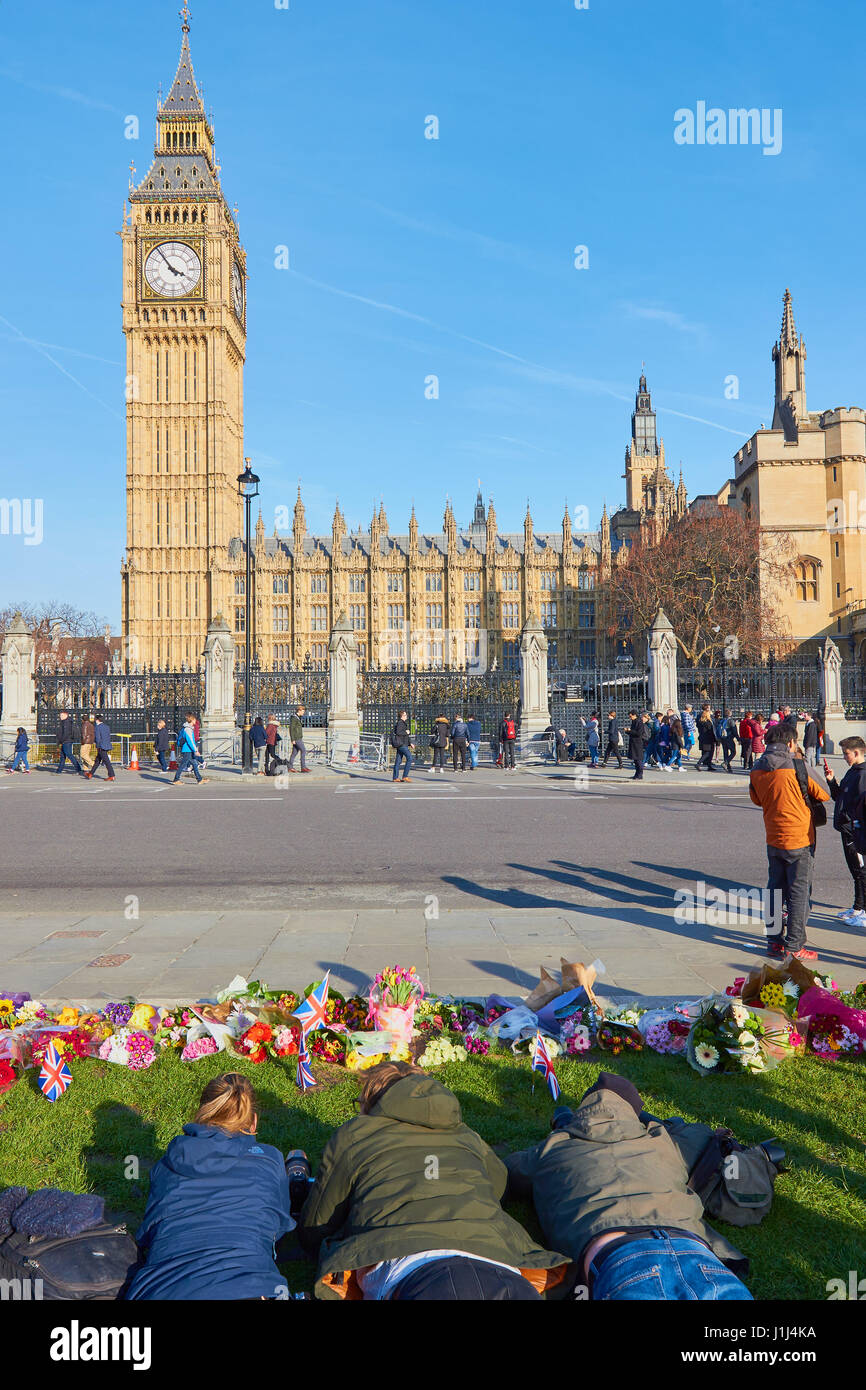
(734, 1183)
(94, 1265)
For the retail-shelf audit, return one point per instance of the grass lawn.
(815, 1232)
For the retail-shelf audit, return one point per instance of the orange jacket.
(774, 787)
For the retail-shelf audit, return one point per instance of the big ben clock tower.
(184, 317)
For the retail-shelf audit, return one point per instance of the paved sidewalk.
(185, 955)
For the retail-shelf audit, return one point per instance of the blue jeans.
(473, 754)
(663, 1267)
(186, 761)
(67, 753)
(593, 756)
(160, 757)
(404, 751)
(20, 758)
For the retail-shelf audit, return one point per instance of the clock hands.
(168, 262)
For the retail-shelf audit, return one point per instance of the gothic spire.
(788, 337)
(184, 98)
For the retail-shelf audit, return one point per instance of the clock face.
(237, 290)
(172, 269)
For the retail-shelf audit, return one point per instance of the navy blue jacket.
(103, 737)
(258, 737)
(22, 743)
(218, 1203)
(849, 797)
(473, 730)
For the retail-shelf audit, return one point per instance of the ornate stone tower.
(645, 452)
(184, 317)
(789, 356)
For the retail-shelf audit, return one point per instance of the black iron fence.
(279, 692)
(488, 696)
(578, 693)
(129, 703)
(762, 687)
(854, 691)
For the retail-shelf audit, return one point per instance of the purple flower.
(118, 1014)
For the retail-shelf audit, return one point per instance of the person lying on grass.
(610, 1187)
(219, 1201)
(406, 1204)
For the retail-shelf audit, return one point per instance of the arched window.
(156, 216)
(747, 501)
(806, 581)
(146, 315)
(195, 215)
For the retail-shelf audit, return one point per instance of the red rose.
(7, 1076)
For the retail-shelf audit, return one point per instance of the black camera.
(300, 1175)
(775, 1153)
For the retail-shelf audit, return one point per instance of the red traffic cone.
(172, 761)
(133, 760)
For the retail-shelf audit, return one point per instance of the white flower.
(747, 1039)
(706, 1056)
(739, 1014)
(792, 990)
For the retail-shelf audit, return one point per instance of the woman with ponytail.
(218, 1203)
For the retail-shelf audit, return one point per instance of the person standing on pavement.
(439, 742)
(592, 737)
(272, 738)
(507, 739)
(65, 740)
(614, 740)
(296, 733)
(187, 754)
(473, 734)
(401, 742)
(689, 723)
(729, 740)
(849, 818)
(677, 741)
(88, 742)
(102, 736)
(638, 738)
(22, 743)
(459, 742)
(745, 736)
(259, 741)
(161, 744)
(664, 744)
(706, 740)
(779, 786)
(810, 740)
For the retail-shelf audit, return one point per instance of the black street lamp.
(248, 488)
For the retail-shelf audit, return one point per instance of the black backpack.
(818, 808)
(94, 1265)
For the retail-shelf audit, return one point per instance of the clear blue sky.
(413, 257)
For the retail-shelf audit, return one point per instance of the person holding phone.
(849, 818)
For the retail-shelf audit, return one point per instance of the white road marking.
(516, 796)
(207, 798)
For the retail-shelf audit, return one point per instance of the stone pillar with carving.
(17, 659)
(534, 696)
(830, 676)
(662, 662)
(219, 719)
(343, 727)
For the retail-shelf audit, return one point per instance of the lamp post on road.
(248, 488)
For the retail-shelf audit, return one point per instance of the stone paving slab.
(185, 955)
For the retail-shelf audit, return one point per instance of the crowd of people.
(463, 735)
(407, 1204)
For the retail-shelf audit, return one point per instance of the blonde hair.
(380, 1078)
(229, 1103)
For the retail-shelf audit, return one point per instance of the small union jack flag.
(55, 1075)
(304, 1078)
(310, 1013)
(541, 1062)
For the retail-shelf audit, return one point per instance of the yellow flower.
(6, 1008)
(68, 1017)
(143, 1017)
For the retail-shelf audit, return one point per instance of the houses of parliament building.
(433, 599)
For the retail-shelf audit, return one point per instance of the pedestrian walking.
(187, 753)
(162, 744)
(849, 818)
(88, 742)
(401, 742)
(745, 736)
(728, 739)
(473, 734)
(22, 743)
(507, 740)
(759, 745)
(592, 737)
(259, 744)
(272, 738)
(614, 740)
(664, 743)
(102, 738)
(677, 737)
(639, 734)
(439, 742)
(690, 730)
(65, 740)
(810, 740)
(296, 734)
(706, 740)
(781, 786)
(459, 742)
(652, 749)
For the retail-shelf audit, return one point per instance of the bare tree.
(65, 636)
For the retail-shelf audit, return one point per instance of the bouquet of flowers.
(394, 996)
(726, 1036)
(129, 1048)
(575, 1035)
(204, 1046)
(669, 1035)
(253, 1043)
(829, 1037)
(616, 1035)
(439, 1051)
